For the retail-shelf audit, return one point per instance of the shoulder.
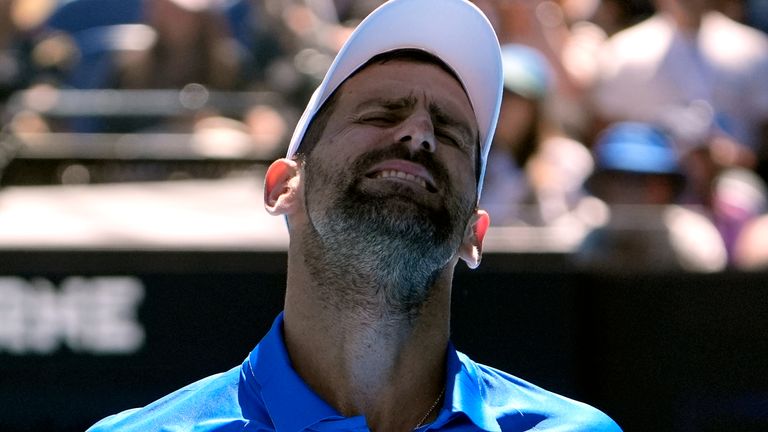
(632, 42)
(512, 398)
(726, 36)
(739, 51)
(212, 401)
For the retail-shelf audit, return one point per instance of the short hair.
(320, 120)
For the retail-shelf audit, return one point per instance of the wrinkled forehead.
(412, 56)
(407, 83)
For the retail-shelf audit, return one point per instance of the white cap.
(455, 31)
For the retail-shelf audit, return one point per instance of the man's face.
(396, 161)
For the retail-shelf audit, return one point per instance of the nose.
(418, 133)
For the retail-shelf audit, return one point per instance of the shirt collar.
(463, 394)
(283, 390)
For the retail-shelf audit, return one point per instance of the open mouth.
(404, 177)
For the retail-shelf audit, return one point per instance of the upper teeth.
(401, 175)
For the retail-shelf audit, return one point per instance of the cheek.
(333, 159)
(462, 171)
(348, 144)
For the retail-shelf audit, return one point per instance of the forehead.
(401, 78)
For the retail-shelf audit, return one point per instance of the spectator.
(85, 35)
(145, 44)
(685, 55)
(561, 32)
(193, 45)
(638, 176)
(730, 195)
(534, 171)
(188, 40)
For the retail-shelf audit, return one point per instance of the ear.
(471, 249)
(281, 187)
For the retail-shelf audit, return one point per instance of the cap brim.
(455, 31)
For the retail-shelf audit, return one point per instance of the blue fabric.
(266, 394)
(636, 147)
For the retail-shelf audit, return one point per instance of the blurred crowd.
(644, 122)
(195, 46)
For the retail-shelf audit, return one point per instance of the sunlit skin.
(370, 361)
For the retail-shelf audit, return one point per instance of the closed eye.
(451, 139)
(447, 138)
(379, 119)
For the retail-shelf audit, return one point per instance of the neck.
(688, 23)
(360, 354)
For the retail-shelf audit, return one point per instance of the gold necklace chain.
(434, 404)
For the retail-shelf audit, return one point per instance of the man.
(379, 193)
(535, 172)
(685, 59)
(639, 176)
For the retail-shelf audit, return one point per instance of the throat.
(366, 345)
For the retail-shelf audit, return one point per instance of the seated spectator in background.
(638, 176)
(86, 35)
(149, 43)
(534, 171)
(688, 54)
(548, 27)
(568, 33)
(143, 44)
(715, 181)
(193, 45)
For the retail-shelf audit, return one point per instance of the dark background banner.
(88, 333)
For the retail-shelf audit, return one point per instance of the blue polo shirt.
(266, 394)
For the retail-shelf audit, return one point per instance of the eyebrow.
(440, 115)
(389, 103)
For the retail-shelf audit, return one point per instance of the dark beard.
(387, 241)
